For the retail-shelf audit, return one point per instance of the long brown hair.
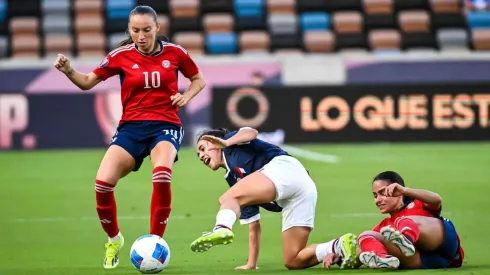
(141, 10)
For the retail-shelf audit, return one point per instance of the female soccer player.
(415, 236)
(147, 68)
(262, 174)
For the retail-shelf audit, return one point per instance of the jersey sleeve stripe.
(119, 48)
(114, 53)
(176, 46)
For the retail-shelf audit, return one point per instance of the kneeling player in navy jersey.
(415, 236)
(150, 126)
(263, 175)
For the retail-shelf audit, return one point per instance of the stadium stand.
(37, 28)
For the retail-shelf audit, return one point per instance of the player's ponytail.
(394, 177)
(219, 133)
(141, 10)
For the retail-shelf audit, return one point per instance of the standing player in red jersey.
(415, 236)
(148, 70)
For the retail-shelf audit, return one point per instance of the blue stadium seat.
(119, 9)
(249, 14)
(478, 20)
(249, 8)
(314, 21)
(3, 9)
(221, 43)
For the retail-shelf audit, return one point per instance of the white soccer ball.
(150, 254)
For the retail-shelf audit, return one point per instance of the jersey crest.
(104, 63)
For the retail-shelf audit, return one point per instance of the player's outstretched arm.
(253, 245)
(244, 135)
(83, 81)
(430, 198)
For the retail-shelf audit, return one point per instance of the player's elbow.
(199, 78)
(85, 87)
(251, 132)
(438, 200)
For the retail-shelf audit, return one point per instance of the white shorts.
(295, 191)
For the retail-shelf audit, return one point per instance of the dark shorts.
(138, 138)
(442, 257)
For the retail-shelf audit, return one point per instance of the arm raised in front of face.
(243, 135)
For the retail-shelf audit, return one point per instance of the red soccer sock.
(408, 228)
(161, 200)
(106, 207)
(368, 242)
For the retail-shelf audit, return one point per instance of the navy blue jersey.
(244, 159)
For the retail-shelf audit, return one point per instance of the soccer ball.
(150, 254)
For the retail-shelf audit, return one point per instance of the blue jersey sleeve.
(230, 134)
(249, 214)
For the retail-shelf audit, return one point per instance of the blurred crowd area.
(82, 28)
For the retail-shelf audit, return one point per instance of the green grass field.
(48, 222)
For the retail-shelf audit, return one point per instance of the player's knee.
(227, 196)
(293, 264)
(110, 176)
(107, 178)
(224, 198)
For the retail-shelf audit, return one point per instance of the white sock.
(226, 218)
(116, 238)
(323, 249)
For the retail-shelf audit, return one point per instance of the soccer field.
(49, 223)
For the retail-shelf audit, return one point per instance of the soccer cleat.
(396, 237)
(346, 248)
(210, 239)
(111, 259)
(371, 260)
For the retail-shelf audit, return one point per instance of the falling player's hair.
(141, 10)
(219, 133)
(393, 177)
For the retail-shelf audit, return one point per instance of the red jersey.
(418, 208)
(148, 81)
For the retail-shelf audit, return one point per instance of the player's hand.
(218, 143)
(246, 267)
(179, 99)
(330, 260)
(394, 190)
(62, 63)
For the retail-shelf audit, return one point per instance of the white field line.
(310, 155)
(177, 217)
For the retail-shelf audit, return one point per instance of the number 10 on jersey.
(155, 79)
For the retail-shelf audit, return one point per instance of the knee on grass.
(293, 264)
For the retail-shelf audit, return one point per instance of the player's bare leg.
(251, 190)
(426, 233)
(162, 157)
(116, 164)
(389, 259)
(297, 255)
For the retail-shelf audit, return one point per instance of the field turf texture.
(48, 222)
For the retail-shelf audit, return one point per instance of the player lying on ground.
(415, 236)
(149, 126)
(260, 173)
